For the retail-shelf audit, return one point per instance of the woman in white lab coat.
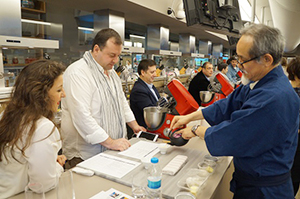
(29, 140)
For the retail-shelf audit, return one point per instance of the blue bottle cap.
(154, 160)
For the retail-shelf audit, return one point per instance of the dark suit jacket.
(198, 83)
(141, 96)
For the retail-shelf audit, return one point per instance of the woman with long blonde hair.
(29, 140)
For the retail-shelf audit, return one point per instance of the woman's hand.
(61, 159)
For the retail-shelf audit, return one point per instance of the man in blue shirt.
(144, 93)
(232, 70)
(258, 123)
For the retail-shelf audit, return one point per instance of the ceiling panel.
(140, 15)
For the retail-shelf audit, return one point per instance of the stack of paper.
(109, 165)
(141, 150)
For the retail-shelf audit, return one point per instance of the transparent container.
(213, 158)
(185, 195)
(193, 180)
(209, 163)
(154, 180)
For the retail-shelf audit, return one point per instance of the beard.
(245, 80)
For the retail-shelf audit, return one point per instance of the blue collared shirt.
(151, 89)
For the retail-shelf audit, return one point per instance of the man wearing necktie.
(144, 93)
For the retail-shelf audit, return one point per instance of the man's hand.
(187, 133)
(118, 144)
(179, 122)
(61, 159)
(138, 129)
(135, 127)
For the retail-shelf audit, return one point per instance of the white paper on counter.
(100, 195)
(141, 150)
(111, 193)
(109, 165)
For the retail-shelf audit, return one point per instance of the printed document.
(109, 165)
(141, 150)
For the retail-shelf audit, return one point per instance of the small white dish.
(163, 148)
(146, 162)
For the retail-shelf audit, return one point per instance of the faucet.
(167, 76)
(9, 74)
(175, 76)
(192, 75)
(127, 93)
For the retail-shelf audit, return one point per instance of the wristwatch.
(194, 128)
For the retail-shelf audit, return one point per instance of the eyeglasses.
(248, 60)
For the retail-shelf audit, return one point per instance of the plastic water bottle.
(154, 180)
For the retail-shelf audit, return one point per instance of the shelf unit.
(38, 13)
(14, 66)
(39, 7)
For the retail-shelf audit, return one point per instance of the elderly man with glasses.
(258, 123)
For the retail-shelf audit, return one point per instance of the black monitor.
(232, 40)
(211, 13)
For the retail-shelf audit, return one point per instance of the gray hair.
(265, 40)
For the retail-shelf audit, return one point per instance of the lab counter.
(216, 187)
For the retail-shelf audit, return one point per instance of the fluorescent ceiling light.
(246, 11)
(218, 35)
(127, 43)
(140, 37)
(88, 29)
(36, 22)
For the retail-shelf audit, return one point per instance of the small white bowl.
(146, 162)
(163, 148)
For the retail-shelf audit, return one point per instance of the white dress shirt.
(82, 112)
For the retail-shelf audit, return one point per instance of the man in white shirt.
(96, 111)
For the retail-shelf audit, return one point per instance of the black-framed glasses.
(248, 60)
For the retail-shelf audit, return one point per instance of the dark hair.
(265, 40)
(293, 69)
(230, 59)
(144, 64)
(283, 62)
(104, 35)
(206, 63)
(222, 66)
(29, 102)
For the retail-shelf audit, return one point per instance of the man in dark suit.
(144, 93)
(201, 81)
